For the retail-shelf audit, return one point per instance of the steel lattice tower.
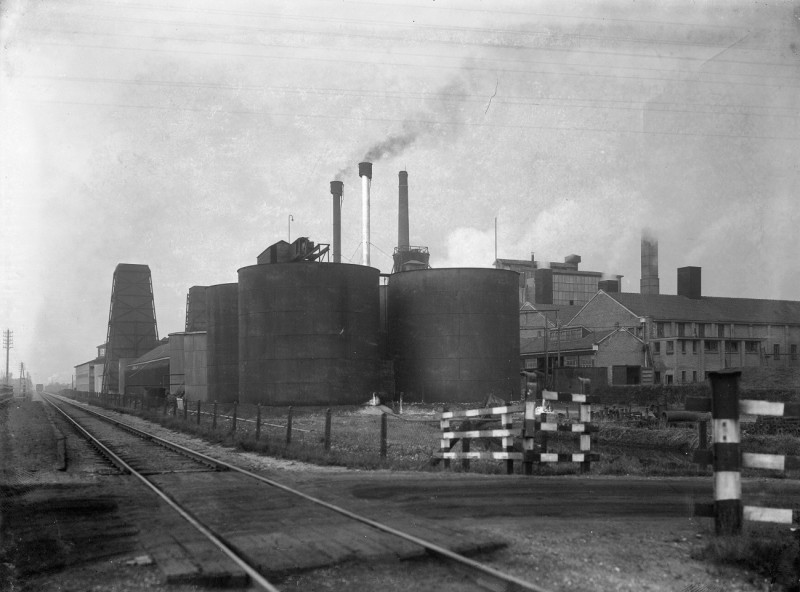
(132, 328)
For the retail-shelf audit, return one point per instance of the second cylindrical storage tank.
(454, 334)
(308, 333)
(222, 347)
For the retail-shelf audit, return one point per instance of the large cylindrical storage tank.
(222, 348)
(454, 334)
(308, 333)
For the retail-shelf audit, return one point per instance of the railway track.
(262, 534)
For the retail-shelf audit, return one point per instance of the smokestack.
(402, 213)
(649, 283)
(365, 172)
(337, 188)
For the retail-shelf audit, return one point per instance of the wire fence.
(357, 434)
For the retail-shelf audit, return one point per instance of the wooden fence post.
(444, 444)
(528, 444)
(384, 430)
(289, 427)
(465, 445)
(233, 421)
(508, 443)
(258, 420)
(214, 418)
(702, 438)
(185, 408)
(327, 429)
(198, 411)
(585, 417)
(727, 452)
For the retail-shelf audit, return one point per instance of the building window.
(668, 378)
(683, 346)
(681, 329)
(776, 351)
(670, 348)
(683, 375)
(720, 330)
(694, 347)
(710, 346)
(656, 347)
(731, 347)
(657, 377)
(701, 329)
(659, 329)
(751, 347)
(793, 351)
(694, 375)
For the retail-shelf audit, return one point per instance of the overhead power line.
(561, 102)
(428, 65)
(396, 24)
(420, 122)
(393, 53)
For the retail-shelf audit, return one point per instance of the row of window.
(731, 347)
(721, 330)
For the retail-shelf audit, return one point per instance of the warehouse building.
(556, 283)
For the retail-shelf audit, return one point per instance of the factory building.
(297, 329)
(654, 338)
(89, 375)
(556, 283)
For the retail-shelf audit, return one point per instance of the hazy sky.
(182, 134)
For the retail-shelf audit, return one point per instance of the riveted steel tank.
(222, 346)
(196, 309)
(454, 334)
(308, 333)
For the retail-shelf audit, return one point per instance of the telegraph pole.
(8, 343)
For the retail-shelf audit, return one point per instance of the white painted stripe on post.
(479, 412)
(751, 407)
(727, 485)
(758, 514)
(480, 455)
(579, 458)
(764, 461)
(548, 457)
(553, 396)
(483, 433)
(586, 443)
(725, 431)
(548, 427)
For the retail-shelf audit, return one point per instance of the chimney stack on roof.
(689, 283)
(649, 283)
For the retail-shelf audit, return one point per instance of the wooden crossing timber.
(569, 397)
(728, 460)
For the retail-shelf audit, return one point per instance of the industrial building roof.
(95, 361)
(157, 354)
(710, 308)
(536, 345)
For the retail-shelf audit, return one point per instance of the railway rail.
(192, 483)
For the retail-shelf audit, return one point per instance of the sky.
(189, 135)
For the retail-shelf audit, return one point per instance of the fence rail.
(727, 458)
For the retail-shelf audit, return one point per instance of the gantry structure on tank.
(132, 328)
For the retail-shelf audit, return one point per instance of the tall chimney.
(337, 188)
(649, 282)
(402, 213)
(365, 172)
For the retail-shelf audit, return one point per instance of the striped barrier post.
(506, 433)
(584, 428)
(728, 460)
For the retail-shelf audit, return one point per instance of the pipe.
(337, 189)
(402, 213)
(365, 172)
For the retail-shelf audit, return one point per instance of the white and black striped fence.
(727, 458)
(507, 433)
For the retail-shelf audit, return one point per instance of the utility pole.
(8, 343)
(558, 357)
(22, 378)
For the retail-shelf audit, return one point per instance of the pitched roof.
(537, 344)
(159, 353)
(710, 308)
